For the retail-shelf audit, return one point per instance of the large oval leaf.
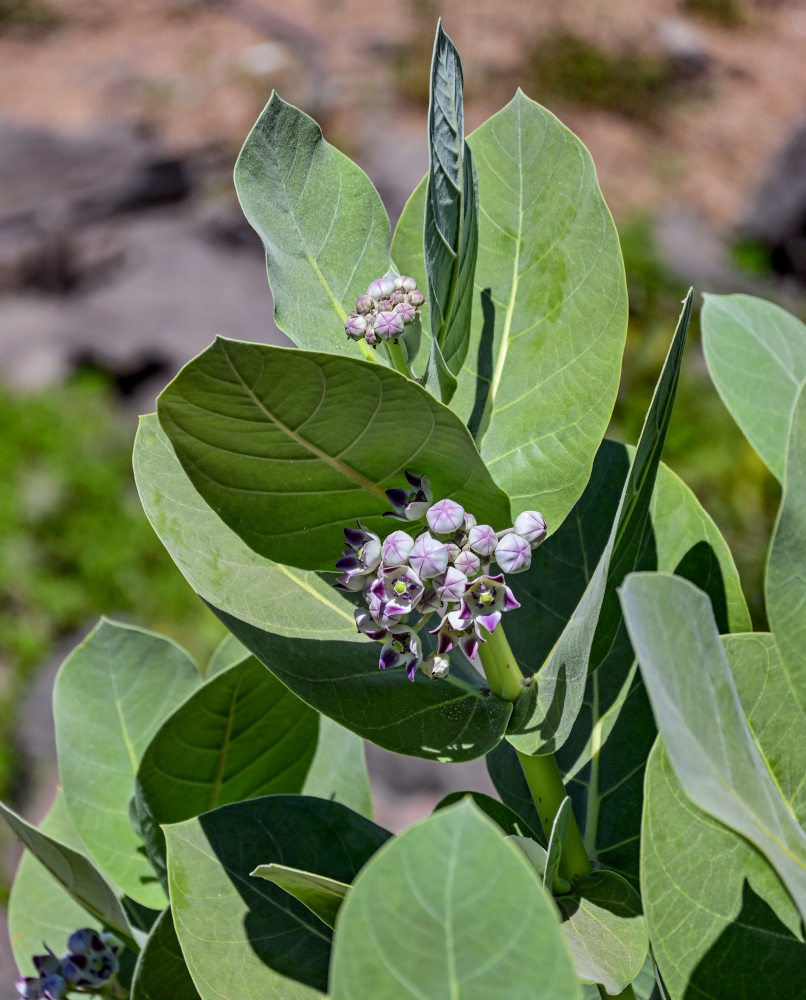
(241, 735)
(712, 749)
(450, 910)
(111, 695)
(242, 936)
(550, 315)
(785, 584)
(161, 971)
(217, 564)
(323, 225)
(756, 355)
(338, 770)
(289, 447)
(452, 719)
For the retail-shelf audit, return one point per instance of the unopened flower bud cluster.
(442, 573)
(89, 964)
(384, 312)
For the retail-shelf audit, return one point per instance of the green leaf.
(559, 828)
(289, 447)
(39, 908)
(75, 873)
(756, 356)
(111, 695)
(226, 654)
(605, 930)
(509, 821)
(161, 971)
(243, 734)
(535, 853)
(550, 315)
(217, 564)
(338, 770)
(323, 225)
(323, 896)
(785, 585)
(720, 921)
(719, 765)
(241, 936)
(451, 719)
(451, 214)
(450, 910)
(543, 719)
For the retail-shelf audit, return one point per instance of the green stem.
(548, 791)
(626, 994)
(500, 666)
(397, 355)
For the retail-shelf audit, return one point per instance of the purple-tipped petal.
(482, 539)
(531, 525)
(445, 517)
(509, 600)
(513, 553)
(490, 621)
(366, 624)
(486, 598)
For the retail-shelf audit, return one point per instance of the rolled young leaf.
(323, 896)
(323, 225)
(290, 447)
(698, 712)
(756, 356)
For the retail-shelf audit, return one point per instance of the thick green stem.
(548, 791)
(500, 666)
(628, 993)
(397, 355)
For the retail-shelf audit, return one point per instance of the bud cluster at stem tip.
(444, 572)
(89, 964)
(385, 310)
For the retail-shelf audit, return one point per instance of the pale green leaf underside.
(550, 307)
(756, 355)
(690, 685)
(323, 225)
(219, 566)
(111, 695)
(338, 771)
(323, 896)
(449, 910)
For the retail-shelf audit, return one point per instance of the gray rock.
(684, 46)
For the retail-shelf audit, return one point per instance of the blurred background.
(123, 253)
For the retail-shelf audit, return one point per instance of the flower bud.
(467, 562)
(445, 517)
(470, 521)
(54, 987)
(406, 312)
(355, 327)
(397, 298)
(428, 558)
(404, 282)
(513, 553)
(381, 288)
(29, 987)
(482, 539)
(364, 304)
(530, 525)
(371, 336)
(451, 587)
(416, 298)
(396, 549)
(389, 325)
(436, 665)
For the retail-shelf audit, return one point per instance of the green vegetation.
(30, 15)
(727, 13)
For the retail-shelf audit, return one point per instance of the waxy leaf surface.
(510, 822)
(111, 695)
(323, 225)
(543, 718)
(338, 771)
(40, 908)
(550, 309)
(690, 686)
(756, 356)
(290, 447)
(217, 564)
(243, 734)
(604, 927)
(450, 910)
(323, 896)
(161, 971)
(452, 719)
(242, 936)
(785, 584)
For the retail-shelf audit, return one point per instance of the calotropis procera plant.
(552, 600)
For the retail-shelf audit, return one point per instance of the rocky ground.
(121, 244)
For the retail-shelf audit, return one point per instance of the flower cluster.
(442, 572)
(384, 312)
(89, 964)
